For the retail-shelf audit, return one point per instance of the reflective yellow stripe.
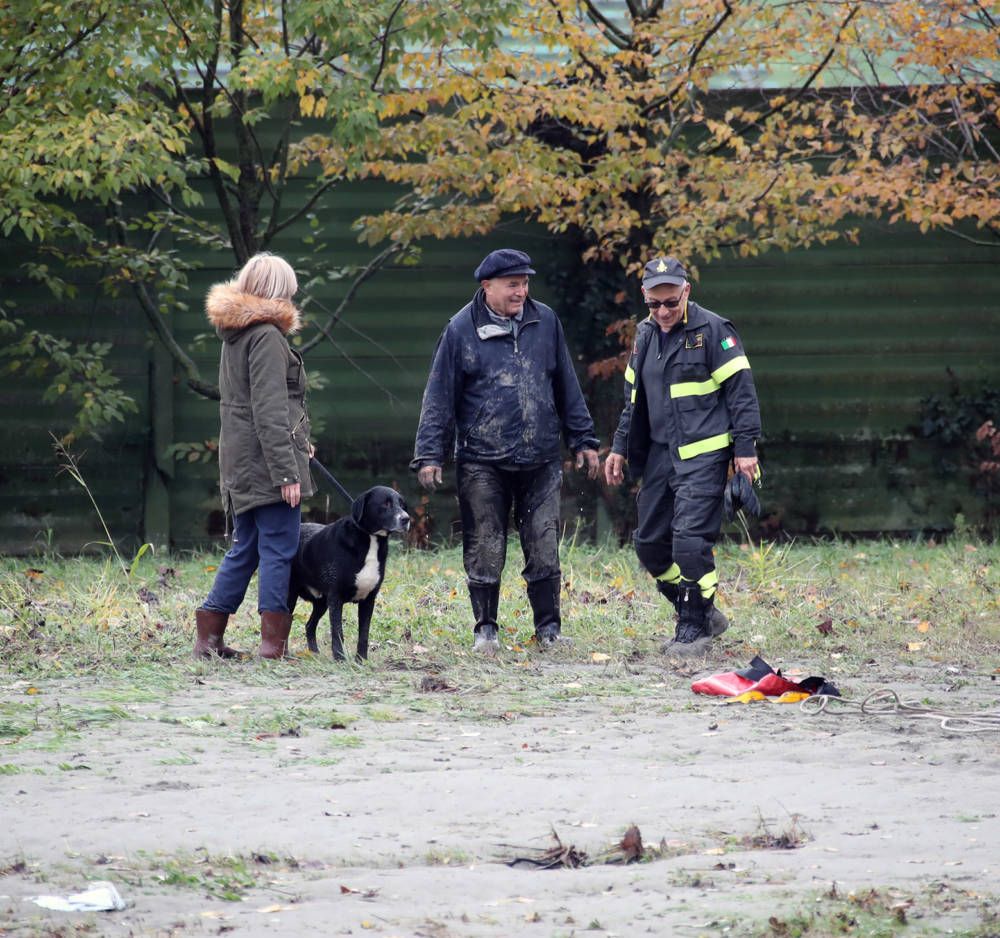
(708, 445)
(730, 368)
(629, 374)
(708, 583)
(671, 575)
(690, 388)
(633, 395)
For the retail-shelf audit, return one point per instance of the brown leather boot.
(210, 626)
(274, 629)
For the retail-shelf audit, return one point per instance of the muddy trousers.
(679, 519)
(266, 537)
(486, 494)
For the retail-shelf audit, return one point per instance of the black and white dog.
(344, 562)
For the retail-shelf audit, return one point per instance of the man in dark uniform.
(503, 392)
(690, 408)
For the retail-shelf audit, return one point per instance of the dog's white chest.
(367, 578)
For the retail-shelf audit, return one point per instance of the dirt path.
(389, 810)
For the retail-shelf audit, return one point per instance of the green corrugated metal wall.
(844, 341)
(40, 506)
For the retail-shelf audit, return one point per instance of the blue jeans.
(268, 537)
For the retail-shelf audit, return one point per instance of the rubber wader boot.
(210, 626)
(544, 598)
(693, 632)
(274, 629)
(717, 621)
(485, 603)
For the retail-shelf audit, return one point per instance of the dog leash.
(331, 478)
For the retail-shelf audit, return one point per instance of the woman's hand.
(291, 493)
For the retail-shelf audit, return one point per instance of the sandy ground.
(404, 829)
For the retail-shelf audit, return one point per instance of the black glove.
(739, 494)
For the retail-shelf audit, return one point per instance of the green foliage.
(204, 451)
(961, 424)
(954, 418)
(116, 117)
(76, 373)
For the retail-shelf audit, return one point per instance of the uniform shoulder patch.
(728, 342)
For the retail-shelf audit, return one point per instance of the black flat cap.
(664, 270)
(504, 263)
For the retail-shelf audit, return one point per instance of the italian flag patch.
(728, 342)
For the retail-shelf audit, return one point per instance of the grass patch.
(830, 606)
(229, 877)
(886, 912)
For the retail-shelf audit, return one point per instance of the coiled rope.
(886, 702)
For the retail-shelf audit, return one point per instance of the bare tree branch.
(716, 26)
(277, 227)
(586, 59)
(360, 333)
(379, 261)
(386, 33)
(799, 91)
(986, 244)
(350, 361)
(654, 106)
(986, 15)
(621, 39)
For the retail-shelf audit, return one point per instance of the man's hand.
(593, 462)
(614, 466)
(747, 465)
(291, 493)
(429, 477)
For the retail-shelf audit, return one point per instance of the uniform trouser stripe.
(671, 575)
(707, 584)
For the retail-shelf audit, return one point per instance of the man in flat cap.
(690, 409)
(503, 393)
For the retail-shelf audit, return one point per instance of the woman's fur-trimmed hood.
(231, 311)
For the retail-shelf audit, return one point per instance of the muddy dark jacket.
(708, 387)
(264, 439)
(500, 398)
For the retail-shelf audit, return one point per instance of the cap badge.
(661, 268)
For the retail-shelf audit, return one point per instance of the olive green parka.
(264, 436)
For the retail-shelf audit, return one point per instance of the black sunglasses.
(670, 304)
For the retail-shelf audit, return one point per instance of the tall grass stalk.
(69, 465)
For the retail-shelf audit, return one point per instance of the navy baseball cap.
(504, 263)
(664, 270)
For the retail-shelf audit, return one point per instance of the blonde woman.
(264, 451)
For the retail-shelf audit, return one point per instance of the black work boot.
(485, 603)
(693, 631)
(717, 621)
(544, 598)
(671, 591)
